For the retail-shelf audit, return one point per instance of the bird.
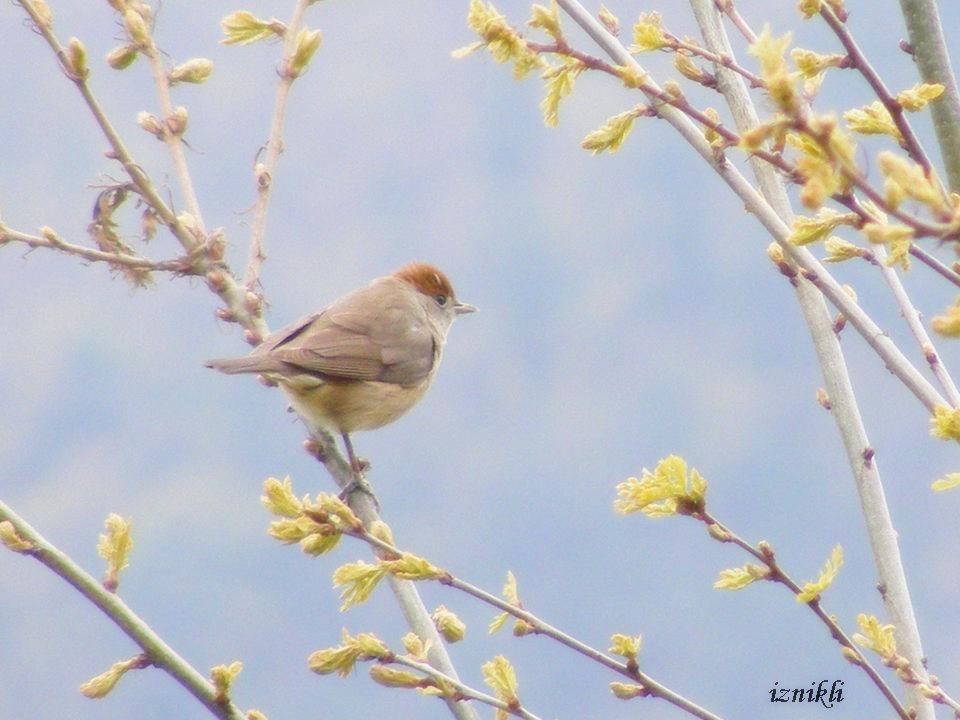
(364, 360)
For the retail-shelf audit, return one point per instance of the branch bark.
(159, 653)
(930, 51)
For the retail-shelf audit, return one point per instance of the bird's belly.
(347, 406)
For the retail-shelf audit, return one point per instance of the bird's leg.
(358, 466)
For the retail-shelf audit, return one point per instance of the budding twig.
(159, 653)
(271, 152)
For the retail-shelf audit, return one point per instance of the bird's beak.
(464, 308)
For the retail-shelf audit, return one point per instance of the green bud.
(77, 59)
(42, 11)
(307, 43)
(196, 70)
(120, 58)
(136, 27)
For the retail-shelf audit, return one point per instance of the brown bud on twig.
(262, 175)
(216, 280)
(823, 399)
(216, 245)
(253, 302)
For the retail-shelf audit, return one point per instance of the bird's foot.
(359, 484)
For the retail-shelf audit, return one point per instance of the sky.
(627, 312)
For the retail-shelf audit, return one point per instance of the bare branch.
(271, 152)
(51, 240)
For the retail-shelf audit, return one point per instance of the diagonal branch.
(892, 357)
(879, 524)
(930, 51)
(272, 150)
(214, 270)
(52, 241)
(910, 140)
(159, 653)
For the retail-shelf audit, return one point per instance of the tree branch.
(846, 414)
(755, 203)
(159, 653)
(265, 171)
(930, 51)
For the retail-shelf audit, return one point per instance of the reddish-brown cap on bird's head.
(431, 281)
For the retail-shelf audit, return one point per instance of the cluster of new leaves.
(670, 489)
(816, 151)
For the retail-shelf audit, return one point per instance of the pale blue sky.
(628, 311)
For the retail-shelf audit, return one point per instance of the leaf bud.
(196, 70)
(120, 58)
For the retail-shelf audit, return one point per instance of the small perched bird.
(365, 360)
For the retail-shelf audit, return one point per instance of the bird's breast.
(347, 406)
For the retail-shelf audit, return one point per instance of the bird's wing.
(348, 341)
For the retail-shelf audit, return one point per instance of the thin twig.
(730, 10)
(715, 58)
(911, 316)
(214, 270)
(118, 149)
(55, 242)
(364, 504)
(929, 49)
(159, 653)
(887, 350)
(767, 556)
(863, 465)
(931, 262)
(540, 627)
(274, 146)
(467, 692)
(942, 231)
(173, 140)
(911, 142)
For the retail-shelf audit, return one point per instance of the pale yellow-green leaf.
(610, 136)
(501, 677)
(358, 580)
(243, 27)
(739, 578)
(947, 482)
(919, 96)
(948, 323)
(945, 423)
(813, 590)
(876, 636)
(627, 646)
(279, 499)
(648, 34)
(872, 119)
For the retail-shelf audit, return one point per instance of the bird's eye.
(441, 300)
